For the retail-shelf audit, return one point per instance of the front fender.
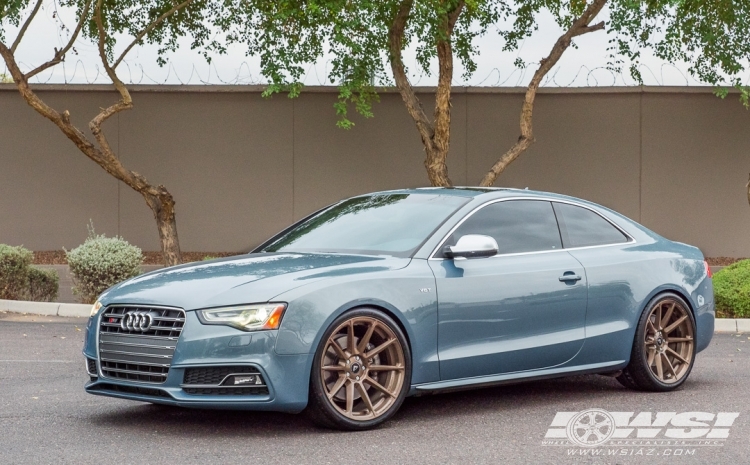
(408, 295)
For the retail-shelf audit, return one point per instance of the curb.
(46, 308)
(721, 325)
(732, 325)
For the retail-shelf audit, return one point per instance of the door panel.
(508, 313)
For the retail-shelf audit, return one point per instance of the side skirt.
(516, 377)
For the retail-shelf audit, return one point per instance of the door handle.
(570, 277)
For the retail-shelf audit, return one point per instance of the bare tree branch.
(60, 54)
(60, 120)
(579, 27)
(25, 26)
(395, 44)
(125, 102)
(150, 28)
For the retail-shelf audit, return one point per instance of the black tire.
(327, 413)
(639, 375)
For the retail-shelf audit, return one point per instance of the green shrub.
(100, 263)
(732, 290)
(14, 275)
(43, 285)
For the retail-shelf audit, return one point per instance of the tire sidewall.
(318, 395)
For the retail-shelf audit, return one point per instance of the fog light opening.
(244, 380)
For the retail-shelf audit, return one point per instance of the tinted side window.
(517, 226)
(581, 227)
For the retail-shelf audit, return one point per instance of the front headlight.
(95, 308)
(245, 317)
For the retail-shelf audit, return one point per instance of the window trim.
(631, 239)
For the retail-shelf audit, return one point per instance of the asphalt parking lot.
(46, 417)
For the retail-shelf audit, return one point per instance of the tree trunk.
(580, 26)
(435, 134)
(748, 190)
(163, 207)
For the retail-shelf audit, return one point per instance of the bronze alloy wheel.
(362, 371)
(664, 346)
(669, 341)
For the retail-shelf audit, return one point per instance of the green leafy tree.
(366, 39)
(115, 27)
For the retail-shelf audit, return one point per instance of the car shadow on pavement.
(573, 393)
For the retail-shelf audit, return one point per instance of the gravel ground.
(46, 417)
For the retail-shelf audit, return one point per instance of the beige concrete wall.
(242, 167)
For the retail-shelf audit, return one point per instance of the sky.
(584, 66)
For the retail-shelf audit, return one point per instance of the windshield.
(381, 224)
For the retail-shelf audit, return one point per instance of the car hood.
(241, 280)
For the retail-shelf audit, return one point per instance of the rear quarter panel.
(624, 278)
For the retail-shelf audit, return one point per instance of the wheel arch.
(375, 304)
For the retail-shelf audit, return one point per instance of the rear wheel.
(361, 372)
(664, 347)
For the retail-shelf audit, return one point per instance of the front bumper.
(286, 376)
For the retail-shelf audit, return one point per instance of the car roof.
(475, 191)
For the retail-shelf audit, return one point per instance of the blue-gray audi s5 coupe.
(386, 295)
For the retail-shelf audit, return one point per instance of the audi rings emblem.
(137, 321)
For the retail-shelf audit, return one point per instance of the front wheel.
(361, 372)
(664, 347)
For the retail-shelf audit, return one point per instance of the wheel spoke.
(651, 326)
(659, 367)
(336, 387)
(365, 397)
(333, 368)
(380, 348)
(366, 338)
(385, 368)
(669, 365)
(680, 339)
(674, 325)
(651, 354)
(658, 318)
(379, 387)
(678, 356)
(339, 351)
(667, 316)
(350, 338)
(349, 397)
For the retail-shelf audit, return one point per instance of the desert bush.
(14, 274)
(732, 290)
(43, 285)
(100, 263)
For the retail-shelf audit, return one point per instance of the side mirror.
(472, 245)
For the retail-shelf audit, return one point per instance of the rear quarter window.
(581, 227)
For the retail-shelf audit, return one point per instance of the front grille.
(207, 381)
(134, 355)
(214, 375)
